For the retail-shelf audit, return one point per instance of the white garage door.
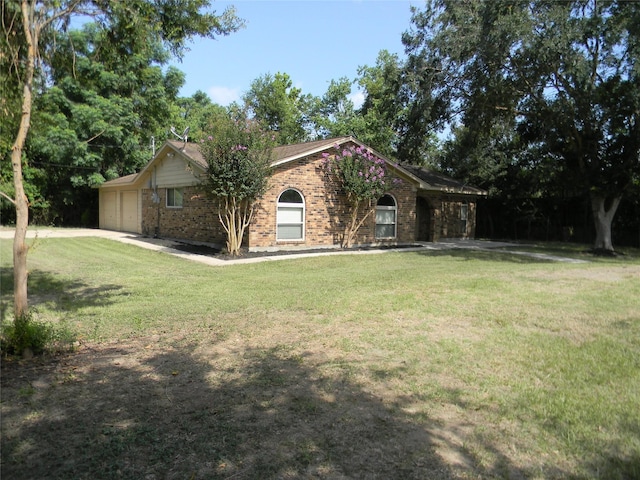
(108, 211)
(129, 210)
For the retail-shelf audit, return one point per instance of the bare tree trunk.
(235, 218)
(603, 217)
(20, 248)
(354, 225)
(350, 230)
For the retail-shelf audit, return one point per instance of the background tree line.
(537, 102)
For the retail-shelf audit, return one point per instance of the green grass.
(535, 364)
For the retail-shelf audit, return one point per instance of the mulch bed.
(245, 253)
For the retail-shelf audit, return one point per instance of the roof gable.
(424, 179)
(288, 153)
(189, 152)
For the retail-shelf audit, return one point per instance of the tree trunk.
(354, 225)
(20, 248)
(604, 209)
(350, 230)
(235, 218)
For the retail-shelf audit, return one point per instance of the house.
(300, 208)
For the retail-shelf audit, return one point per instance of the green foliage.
(360, 173)
(96, 120)
(375, 121)
(362, 176)
(238, 153)
(26, 334)
(334, 115)
(563, 76)
(197, 112)
(278, 106)
(382, 109)
(101, 93)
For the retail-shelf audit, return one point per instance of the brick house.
(300, 208)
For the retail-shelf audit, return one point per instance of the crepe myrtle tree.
(363, 178)
(238, 152)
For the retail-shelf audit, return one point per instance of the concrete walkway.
(166, 246)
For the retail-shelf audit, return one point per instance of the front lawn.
(433, 364)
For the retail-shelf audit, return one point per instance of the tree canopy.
(29, 40)
(564, 76)
(278, 106)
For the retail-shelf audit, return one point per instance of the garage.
(120, 205)
(108, 211)
(129, 211)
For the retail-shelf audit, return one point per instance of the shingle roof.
(426, 179)
(283, 152)
(442, 182)
(120, 180)
(291, 151)
(191, 150)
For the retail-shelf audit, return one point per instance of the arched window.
(290, 216)
(386, 211)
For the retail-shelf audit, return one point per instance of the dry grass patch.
(403, 365)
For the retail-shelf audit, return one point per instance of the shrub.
(26, 335)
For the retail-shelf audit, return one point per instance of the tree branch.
(94, 137)
(2, 194)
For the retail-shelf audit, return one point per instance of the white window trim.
(166, 201)
(464, 212)
(464, 218)
(395, 219)
(302, 206)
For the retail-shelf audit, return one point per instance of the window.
(386, 217)
(290, 216)
(174, 197)
(464, 216)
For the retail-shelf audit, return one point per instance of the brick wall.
(325, 216)
(196, 220)
(445, 217)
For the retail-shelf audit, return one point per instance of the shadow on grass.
(469, 254)
(134, 412)
(58, 294)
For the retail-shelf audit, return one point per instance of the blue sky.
(312, 41)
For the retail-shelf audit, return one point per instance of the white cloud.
(224, 95)
(357, 98)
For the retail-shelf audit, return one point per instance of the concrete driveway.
(167, 246)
